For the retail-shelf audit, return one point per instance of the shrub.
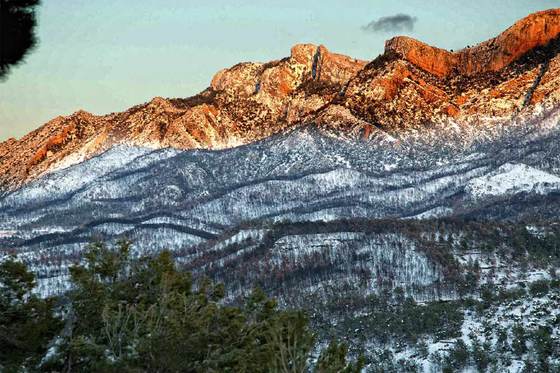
(539, 288)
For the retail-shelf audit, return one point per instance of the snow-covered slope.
(320, 221)
(56, 185)
(177, 199)
(510, 179)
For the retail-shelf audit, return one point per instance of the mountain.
(406, 203)
(512, 77)
(174, 199)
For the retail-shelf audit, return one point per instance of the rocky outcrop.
(281, 78)
(412, 85)
(244, 103)
(434, 60)
(534, 31)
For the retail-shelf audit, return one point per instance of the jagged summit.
(512, 77)
(307, 62)
(535, 30)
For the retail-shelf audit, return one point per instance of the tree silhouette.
(17, 36)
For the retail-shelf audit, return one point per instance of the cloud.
(398, 22)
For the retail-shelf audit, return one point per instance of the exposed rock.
(242, 79)
(534, 31)
(511, 77)
(434, 60)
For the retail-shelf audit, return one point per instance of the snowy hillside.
(510, 179)
(171, 199)
(321, 222)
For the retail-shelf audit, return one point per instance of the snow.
(57, 184)
(511, 179)
(436, 212)
(163, 195)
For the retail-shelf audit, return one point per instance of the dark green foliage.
(519, 340)
(333, 360)
(505, 295)
(388, 317)
(528, 367)
(27, 323)
(544, 346)
(511, 242)
(145, 315)
(502, 344)
(539, 288)
(383, 361)
(467, 284)
(458, 356)
(17, 37)
(443, 319)
(480, 353)
(487, 294)
(541, 249)
(422, 349)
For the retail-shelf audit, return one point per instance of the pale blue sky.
(107, 55)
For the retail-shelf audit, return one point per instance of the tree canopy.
(17, 32)
(125, 315)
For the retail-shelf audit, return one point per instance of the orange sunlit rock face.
(411, 85)
(493, 55)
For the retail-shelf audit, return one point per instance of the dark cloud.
(398, 22)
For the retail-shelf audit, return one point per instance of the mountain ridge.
(536, 30)
(383, 99)
(404, 211)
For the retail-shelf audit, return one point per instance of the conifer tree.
(17, 32)
(27, 322)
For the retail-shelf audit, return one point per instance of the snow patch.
(436, 212)
(511, 179)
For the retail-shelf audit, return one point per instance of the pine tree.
(17, 36)
(27, 323)
(333, 360)
(147, 315)
(518, 342)
(459, 355)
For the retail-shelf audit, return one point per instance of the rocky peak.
(281, 78)
(534, 31)
(335, 68)
(412, 86)
(431, 59)
(240, 79)
(303, 54)
(159, 103)
(324, 65)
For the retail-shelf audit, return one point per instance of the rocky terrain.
(341, 186)
(176, 199)
(513, 77)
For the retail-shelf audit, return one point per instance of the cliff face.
(536, 30)
(510, 77)
(244, 103)
(431, 59)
